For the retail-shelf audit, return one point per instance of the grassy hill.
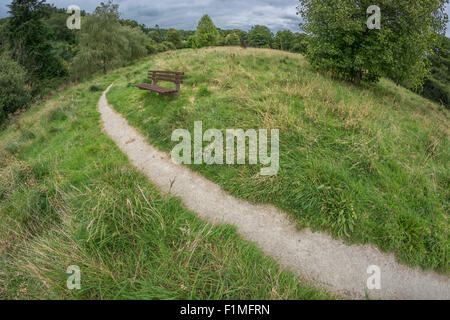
(365, 164)
(68, 196)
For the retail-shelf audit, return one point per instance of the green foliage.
(341, 42)
(437, 85)
(260, 37)
(284, 40)
(28, 39)
(136, 42)
(106, 44)
(3, 38)
(232, 39)
(300, 43)
(174, 36)
(206, 33)
(14, 93)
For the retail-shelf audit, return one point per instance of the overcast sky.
(226, 14)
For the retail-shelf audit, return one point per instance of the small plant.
(203, 91)
(12, 148)
(56, 115)
(95, 88)
(27, 135)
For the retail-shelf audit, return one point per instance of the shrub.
(14, 92)
(436, 90)
(232, 39)
(174, 36)
(95, 88)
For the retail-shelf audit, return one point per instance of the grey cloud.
(184, 14)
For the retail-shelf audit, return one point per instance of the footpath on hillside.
(317, 257)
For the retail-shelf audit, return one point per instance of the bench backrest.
(170, 76)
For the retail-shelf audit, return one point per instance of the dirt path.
(337, 267)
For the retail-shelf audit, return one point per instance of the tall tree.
(283, 40)
(105, 43)
(260, 36)
(206, 33)
(342, 43)
(29, 39)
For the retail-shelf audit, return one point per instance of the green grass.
(68, 196)
(368, 165)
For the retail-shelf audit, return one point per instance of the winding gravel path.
(319, 258)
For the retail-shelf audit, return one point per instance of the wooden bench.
(169, 76)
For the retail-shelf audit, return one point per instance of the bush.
(14, 92)
(232, 39)
(174, 36)
(168, 46)
(436, 90)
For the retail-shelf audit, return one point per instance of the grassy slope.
(69, 197)
(367, 165)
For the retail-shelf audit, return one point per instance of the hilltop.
(365, 164)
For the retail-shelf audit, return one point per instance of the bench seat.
(168, 76)
(158, 89)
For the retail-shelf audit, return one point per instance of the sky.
(184, 14)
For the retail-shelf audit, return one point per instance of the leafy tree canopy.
(174, 36)
(283, 40)
(206, 34)
(105, 44)
(232, 39)
(341, 42)
(260, 36)
(29, 38)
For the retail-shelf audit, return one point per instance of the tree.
(232, 39)
(283, 40)
(260, 36)
(14, 93)
(3, 38)
(342, 43)
(437, 84)
(105, 44)
(206, 33)
(174, 36)
(28, 39)
(137, 42)
(299, 43)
